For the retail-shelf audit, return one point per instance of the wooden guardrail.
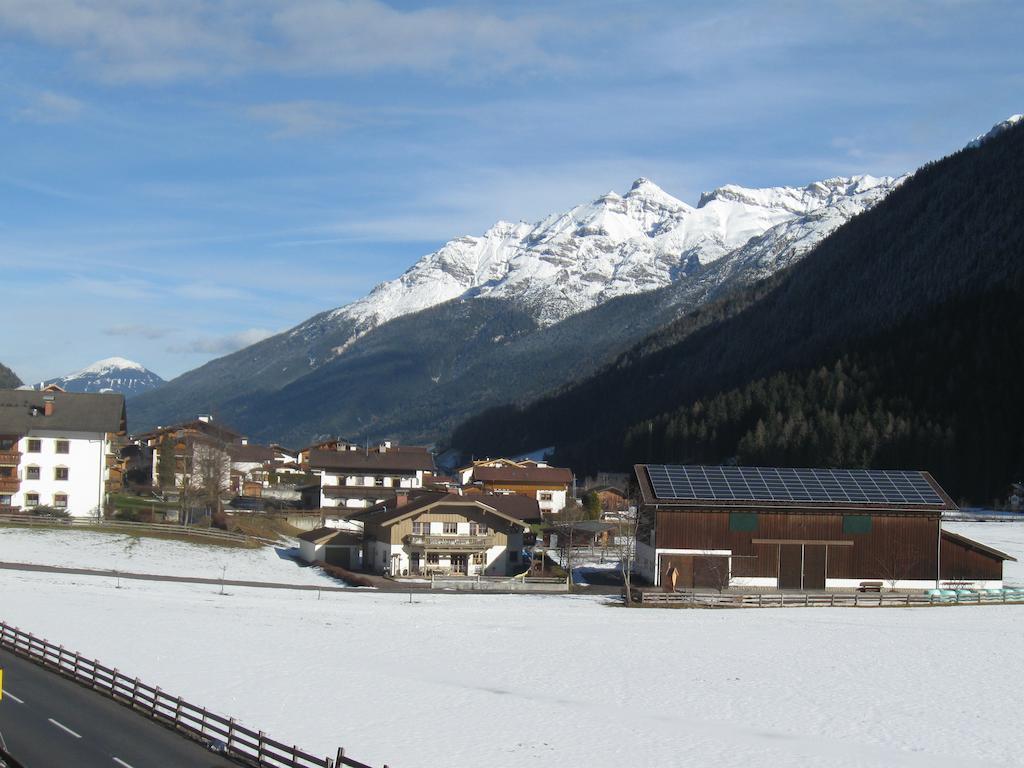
(828, 600)
(170, 528)
(219, 733)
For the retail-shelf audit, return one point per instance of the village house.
(807, 529)
(356, 477)
(446, 533)
(551, 487)
(343, 548)
(199, 447)
(59, 449)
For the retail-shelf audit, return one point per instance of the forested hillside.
(895, 343)
(8, 379)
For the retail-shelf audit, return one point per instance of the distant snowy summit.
(114, 374)
(616, 245)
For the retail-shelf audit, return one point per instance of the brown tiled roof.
(534, 475)
(72, 411)
(251, 453)
(390, 461)
(511, 505)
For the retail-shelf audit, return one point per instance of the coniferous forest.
(896, 343)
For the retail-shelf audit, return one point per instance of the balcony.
(10, 458)
(450, 543)
(10, 485)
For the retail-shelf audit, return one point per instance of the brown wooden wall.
(902, 546)
(962, 563)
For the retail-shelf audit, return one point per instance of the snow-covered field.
(508, 680)
(132, 554)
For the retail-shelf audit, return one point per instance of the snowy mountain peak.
(112, 374)
(109, 364)
(995, 130)
(612, 246)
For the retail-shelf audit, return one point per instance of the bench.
(870, 586)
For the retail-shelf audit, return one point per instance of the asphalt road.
(47, 721)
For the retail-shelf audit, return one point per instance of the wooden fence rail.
(826, 600)
(170, 528)
(222, 734)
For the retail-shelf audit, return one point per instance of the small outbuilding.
(343, 548)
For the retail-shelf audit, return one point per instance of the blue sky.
(178, 178)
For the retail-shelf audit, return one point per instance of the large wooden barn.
(808, 529)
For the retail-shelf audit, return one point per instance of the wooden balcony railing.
(9, 485)
(451, 542)
(10, 458)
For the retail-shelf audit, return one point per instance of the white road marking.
(10, 695)
(64, 728)
(121, 762)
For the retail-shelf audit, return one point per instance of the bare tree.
(211, 472)
(626, 546)
(896, 565)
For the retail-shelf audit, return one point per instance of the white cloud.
(49, 107)
(164, 40)
(298, 118)
(222, 345)
(134, 329)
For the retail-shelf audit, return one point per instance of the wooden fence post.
(259, 747)
(339, 761)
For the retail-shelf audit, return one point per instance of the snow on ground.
(135, 554)
(1006, 537)
(513, 680)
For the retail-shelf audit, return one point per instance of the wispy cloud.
(221, 345)
(298, 118)
(47, 107)
(137, 330)
(166, 40)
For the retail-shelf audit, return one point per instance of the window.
(379, 482)
(32, 472)
(6, 471)
(60, 473)
(545, 496)
(474, 529)
(60, 500)
(856, 524)
(451, 527)
(421, 529)
(432, 558)
(742, 521)
(7, 444)
(31, 499)
(34, 446)
(479, 558)
(5, 499)
(63, 446)
(484, 530)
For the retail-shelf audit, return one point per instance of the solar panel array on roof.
(867, 486)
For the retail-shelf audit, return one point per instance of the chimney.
(48, 405)
(401, 498)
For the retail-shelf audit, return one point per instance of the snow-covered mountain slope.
(114, 374)
(995, 130)
(614, 246)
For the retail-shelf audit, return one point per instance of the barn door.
(711, 571)
(814, 566)
(790, 566)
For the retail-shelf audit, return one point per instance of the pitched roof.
(972, 544)
(716, 487)
(72, 411)
(535, 475)
(510, 506)
(251, 453)
(405, 460)
(331, 536)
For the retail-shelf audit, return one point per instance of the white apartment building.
(356, 477)
(57, 449)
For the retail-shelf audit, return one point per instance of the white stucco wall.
(86, 465)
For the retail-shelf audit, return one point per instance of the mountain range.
(509, 315)
(894, 343)
(113, 374)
